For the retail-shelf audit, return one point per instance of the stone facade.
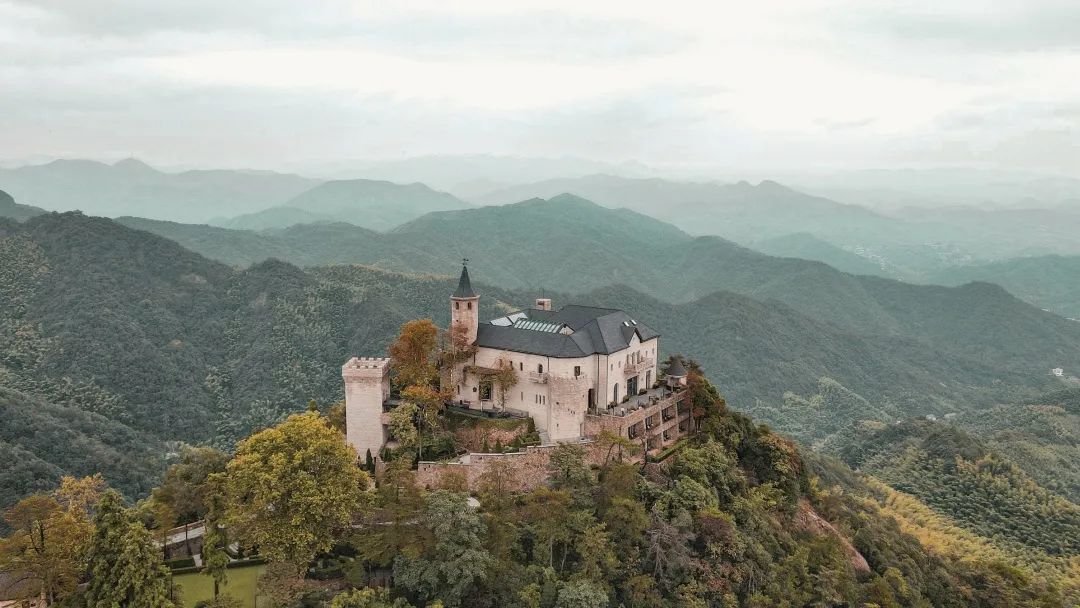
(464, 312)
(367, 387)
(530, 466)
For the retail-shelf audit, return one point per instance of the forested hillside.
(40, 442)
(1050, 281)
(736, 517)
(570, 245)
(123, 341)
(920, 239)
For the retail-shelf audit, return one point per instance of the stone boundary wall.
(530, 466)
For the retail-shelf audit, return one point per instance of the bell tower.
(464, 305)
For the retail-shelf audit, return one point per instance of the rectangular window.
(577, 371)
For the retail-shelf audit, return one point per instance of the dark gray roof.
(586, 330)
(464, 287)
(676, 369)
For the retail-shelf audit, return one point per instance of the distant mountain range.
(377, 205)
(130, 187)
(569, 244)
(742, 212)
(908, 242)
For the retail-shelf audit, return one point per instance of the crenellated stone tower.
(464, 306)
(367, 386)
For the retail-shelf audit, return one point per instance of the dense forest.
(118, 345)
(737, 516)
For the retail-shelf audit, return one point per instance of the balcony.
(538, 377)
(639, 366)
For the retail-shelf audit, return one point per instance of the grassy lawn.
(196, 586)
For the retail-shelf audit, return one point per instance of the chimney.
(543, 303)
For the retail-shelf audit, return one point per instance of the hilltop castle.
(580, 370)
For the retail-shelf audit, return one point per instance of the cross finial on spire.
(464, 261)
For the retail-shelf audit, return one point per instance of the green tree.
(456, 562)
(596, 554)
(429, 403)
(402, 425)
(368, 598)
(568, 467)
(292, 488)
(392, 528)
(125, 567)
(183, 493)
(546, 513)
(581, 594)
(215, 540)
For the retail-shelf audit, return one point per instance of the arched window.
(540, 368)
(457, 305)
(616, 393)
(470, 305)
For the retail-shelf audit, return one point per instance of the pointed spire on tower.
(464, 287)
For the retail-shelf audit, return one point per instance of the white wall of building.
(559, 405)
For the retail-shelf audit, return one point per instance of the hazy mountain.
(985, 188)
(130, 187)
(469, 174)
(910, 241)
(9, 208)
(571, 245)
(808, 247)
(377, 205)
(1051, 282)
(268, 219)
(741, 212)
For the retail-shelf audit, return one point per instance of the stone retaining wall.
(530, 466)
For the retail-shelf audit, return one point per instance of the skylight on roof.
(532, 325)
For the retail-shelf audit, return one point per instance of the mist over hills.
(18, 212)
(378, 205)
(910, 242)
(1051, 282)
(886, 189)
(742, 212)
(469, 175)
(571, 245)
(130, 187)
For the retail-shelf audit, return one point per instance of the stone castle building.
(580, 370)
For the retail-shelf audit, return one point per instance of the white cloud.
(768, 84)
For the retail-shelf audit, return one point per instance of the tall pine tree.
(125, 566)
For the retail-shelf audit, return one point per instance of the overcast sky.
(737, 85)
